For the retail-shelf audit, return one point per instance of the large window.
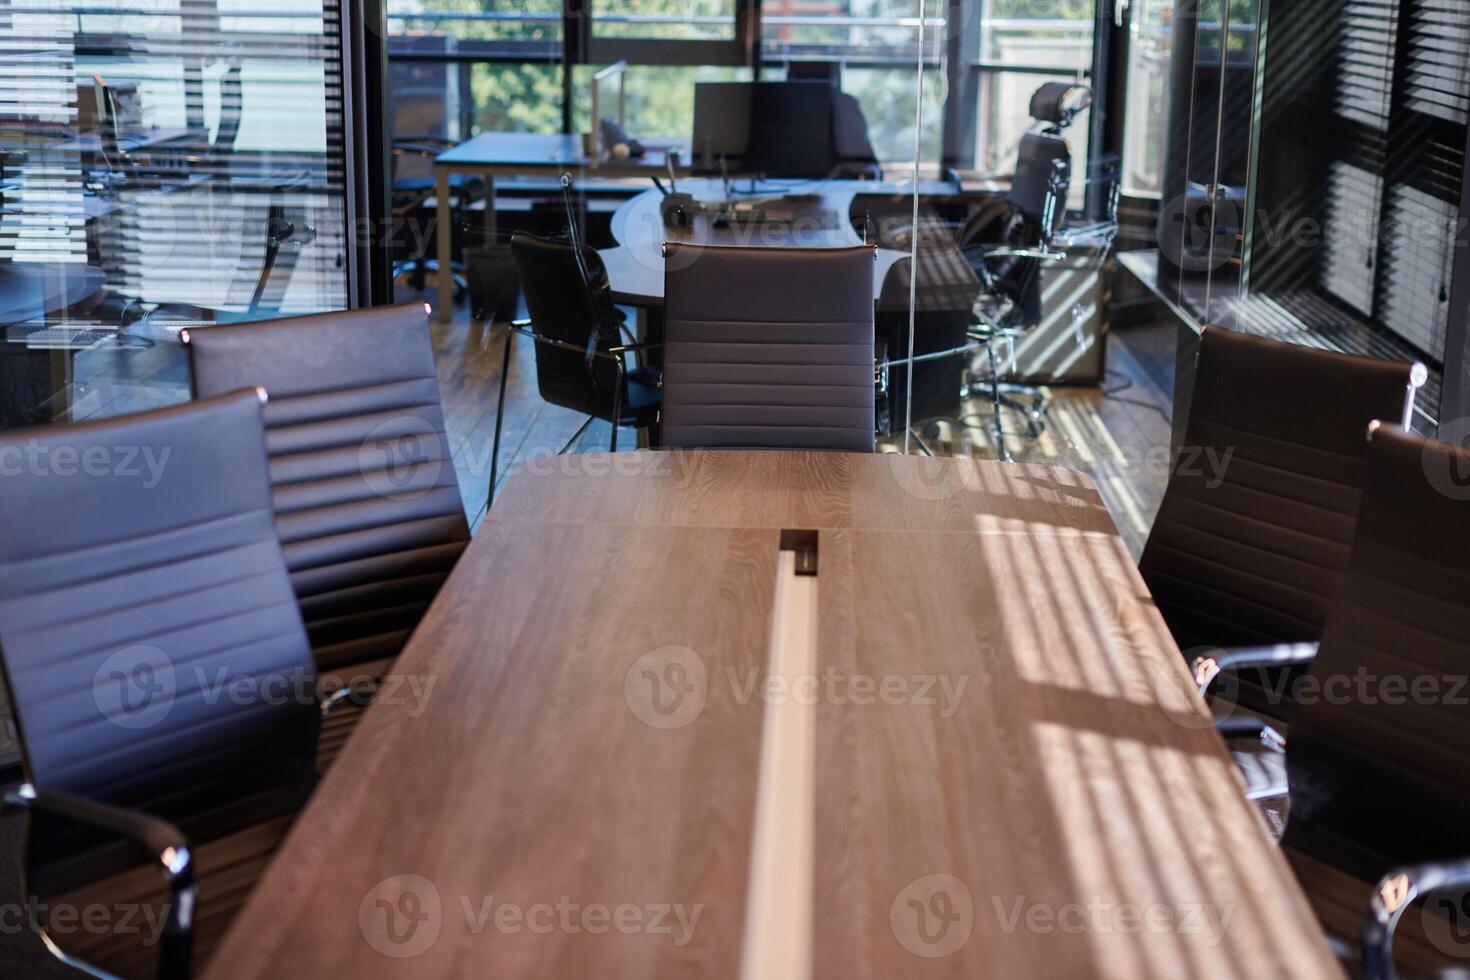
(1002, 50)
(1150, 35)
(162, 162)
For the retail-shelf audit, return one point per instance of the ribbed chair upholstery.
(1376, 768)
(768, 348)
(1375, 752)
(161, 678)
(366, 497)
(1251, 539)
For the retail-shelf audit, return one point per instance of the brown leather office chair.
(1251, 539)
(162, 681)
(768, 348)
(366, 496)
(1374, 756)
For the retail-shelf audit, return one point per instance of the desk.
(635, 268)
(1044, 797)
(492, 154)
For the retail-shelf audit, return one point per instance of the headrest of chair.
(1059, 102)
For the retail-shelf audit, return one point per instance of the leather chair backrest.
(563, 308)
(1252, 536)
(1376, 752)
(366, 496)
(151, 641)
(1039, 156)
(768, 348)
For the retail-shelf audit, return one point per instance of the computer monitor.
(791, 130)
(765, 128)
(721, 126)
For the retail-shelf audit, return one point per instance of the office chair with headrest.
(1009, 240)
(146, 782)
(1370, 761)
(768, 347)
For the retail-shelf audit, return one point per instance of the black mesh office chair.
(1251, 539)
(423, 102)
(768, 348)
(1374, 756)
(1008, 241)
(365, 491)
(580, 352)
(162, 683)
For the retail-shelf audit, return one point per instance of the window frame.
(965, 71)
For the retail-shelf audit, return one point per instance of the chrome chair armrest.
(1045, 253)
(637, 346)
(1394, 893)
(1251, 726)
(347, 694)
(1207, 668)
(159, 839)
(526, 329)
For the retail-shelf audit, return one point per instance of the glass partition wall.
(937, 101)
(162, 163)
(1314, 184)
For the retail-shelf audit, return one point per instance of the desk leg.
(444, 276)
(490, 223)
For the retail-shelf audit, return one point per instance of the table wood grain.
(1039, 793)
(1013, 776)
(777, 488)
(530, 777)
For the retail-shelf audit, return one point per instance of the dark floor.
(1118, 433)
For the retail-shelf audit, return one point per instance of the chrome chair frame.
(525, 328)
(1392, 896)
(164, 844)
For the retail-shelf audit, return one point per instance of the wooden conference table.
(991, 763)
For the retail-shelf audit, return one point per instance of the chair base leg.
(575, 436)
